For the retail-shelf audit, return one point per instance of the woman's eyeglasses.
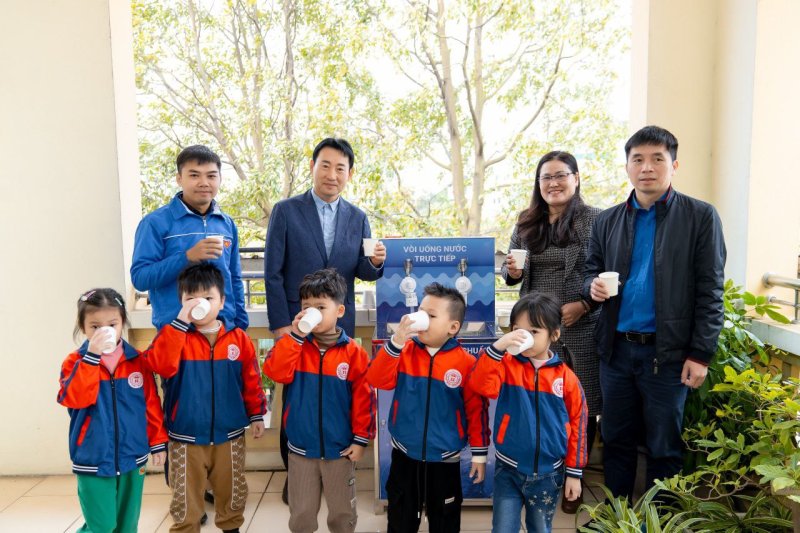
(561, 177)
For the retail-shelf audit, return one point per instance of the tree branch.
(536, 114)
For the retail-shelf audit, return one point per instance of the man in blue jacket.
(190, 229)
(657, 336)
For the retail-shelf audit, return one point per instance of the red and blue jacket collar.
(227, 325)
(343, 338)
(497, 355)
(553, 361)
(129, 351)
(451, 343)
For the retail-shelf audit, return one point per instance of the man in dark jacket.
(657, 336)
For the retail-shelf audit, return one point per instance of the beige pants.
(308, 478)
(190, 465)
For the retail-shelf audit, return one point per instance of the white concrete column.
(724, 76)
(672, 81)
(71, 201)
(733, 129)
(773, 214)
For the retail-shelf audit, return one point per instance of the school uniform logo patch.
(233, 352)
(558, 387)
(452, 378)
(136, 380)
(342, 370)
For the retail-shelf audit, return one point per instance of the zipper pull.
(655, 366)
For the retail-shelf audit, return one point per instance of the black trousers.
(412, 484)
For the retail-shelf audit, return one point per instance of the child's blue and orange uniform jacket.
(433, 413)
(540, 418)
(211, 396)
(115, 419)
(329, 404)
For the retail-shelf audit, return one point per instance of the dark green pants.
(111, 504)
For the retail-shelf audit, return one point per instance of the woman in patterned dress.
(554, 229)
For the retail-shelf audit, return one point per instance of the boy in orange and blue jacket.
(433, 415)
(329, 412)
(212, 393)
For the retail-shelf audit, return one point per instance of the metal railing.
(774, 280)
(255, 256)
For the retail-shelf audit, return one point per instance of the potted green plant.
(671, 507)
(737, 348)
(617, 515)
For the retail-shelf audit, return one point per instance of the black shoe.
(285, 495)
(208, 496)
(231, 530)
(204, 519)
(570, 506)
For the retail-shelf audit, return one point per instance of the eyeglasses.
(560, 177)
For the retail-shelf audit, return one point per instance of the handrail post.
(770, 279)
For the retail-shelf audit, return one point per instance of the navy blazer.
(295, 247)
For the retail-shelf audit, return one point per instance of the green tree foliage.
(493, 85)
(259, 82)
(262, 82)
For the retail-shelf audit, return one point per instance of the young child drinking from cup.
(433, 414)
(540, 419)
(115, 415)
(212, 393)
(329, 410)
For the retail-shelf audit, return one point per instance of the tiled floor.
(50, 504)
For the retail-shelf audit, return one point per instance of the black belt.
(637, 338)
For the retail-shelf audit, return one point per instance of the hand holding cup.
(515, 262)
(604, 286)
(378, 254)
(515, 342)
(404, 330)
(209, 248)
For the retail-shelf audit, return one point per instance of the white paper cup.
(504, 317)
(519, 255)
(111, 339)
(369, 247)
(611, 281)
(200, 311)
(421, 321)
(310, 320)
(219, 238)
(527, 344)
